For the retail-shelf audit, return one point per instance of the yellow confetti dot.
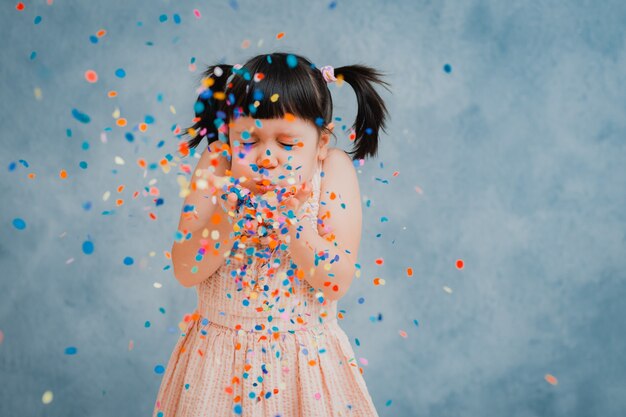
(38, 93)
(172, 110)
(46, 398)
(274, 98)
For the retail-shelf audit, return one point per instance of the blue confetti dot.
(146, 324)
(176, 19)
(159, 369)
(88, 247)
(83, 164)
(416, 323)
(246, 303)
(129, 137)
(81, 117)
(332, 5)
(361, 300)
(237, 409)
(71, 350)
(37, 20)
(33, 55)
(292, 61)
(162, 310)
(120, 73)
(388, 403)
(12, 166)
(148, 119)
(85, 146)
(19, 224)
(87, 205)
(128, 260)
(447, 68)
(93, 39)
(163, 18)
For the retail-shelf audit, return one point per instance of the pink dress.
(260, 343)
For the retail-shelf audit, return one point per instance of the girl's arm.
(199, 209)
(329, 262)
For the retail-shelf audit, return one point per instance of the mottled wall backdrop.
(497, 202)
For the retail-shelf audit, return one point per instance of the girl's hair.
(269, 86)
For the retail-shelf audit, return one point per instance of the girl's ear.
(324, 141)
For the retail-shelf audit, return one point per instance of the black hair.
(230, 91)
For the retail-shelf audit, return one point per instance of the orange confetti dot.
(142, 163)
(121, 122)
(312, 362)
(280, 35)
(31, 176)
(228, 390)
(352, 136)
(289, 117)
(143, 127)
(135, 194)
(216, 218)
(101, 33)
(19, 6)
(63, 174)
(379, 261)
(91, 76)
(120, 188)
(119, 202)
(332, 195)
(551, 379)
(153, 216)
(112, 94)
(245, 44)
(459, 263)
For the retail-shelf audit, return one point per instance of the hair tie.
(328, 72)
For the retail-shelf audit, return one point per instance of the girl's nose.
(267, 160)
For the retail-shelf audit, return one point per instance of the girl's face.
(276, 152)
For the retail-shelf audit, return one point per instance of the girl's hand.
(287, 209)
(234, 200)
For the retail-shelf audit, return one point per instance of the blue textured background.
(518, 150)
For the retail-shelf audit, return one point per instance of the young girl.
(269, 235)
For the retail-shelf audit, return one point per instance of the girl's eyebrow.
(279, 133)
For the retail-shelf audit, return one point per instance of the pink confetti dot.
(317, 395)
(196, 13)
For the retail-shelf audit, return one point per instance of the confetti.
(19, 224)
(551, 379)
(91, 76)
(46, 398)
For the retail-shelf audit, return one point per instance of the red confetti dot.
(91, 76)
(379, 261)
(409, 272)
(459, 263)
(20, 6)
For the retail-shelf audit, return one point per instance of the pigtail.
(209, 102)
(372, 112)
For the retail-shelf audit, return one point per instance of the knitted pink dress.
(260, 343)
